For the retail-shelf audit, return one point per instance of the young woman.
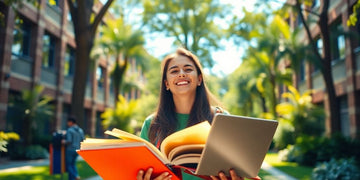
(184, 101)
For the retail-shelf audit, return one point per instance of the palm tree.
(301, 113)
(124, 43)
(120, 116)
(34, 110)
(263, 60)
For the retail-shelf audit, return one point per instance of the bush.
(344, 169)
(310, 150)
(284, 135)
(20, 152)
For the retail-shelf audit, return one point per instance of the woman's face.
(182, 76)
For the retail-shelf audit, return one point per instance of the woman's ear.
(199, 80)
(166, 84)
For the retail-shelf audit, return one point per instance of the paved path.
(9, 166)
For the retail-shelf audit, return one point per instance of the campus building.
(37, 46)
(345, 54)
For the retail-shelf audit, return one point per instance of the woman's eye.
(174, 71)
(188, 70)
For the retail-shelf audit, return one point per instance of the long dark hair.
(165, 120)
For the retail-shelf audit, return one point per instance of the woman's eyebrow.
(173, 67)
(176, 66)
(188, 65)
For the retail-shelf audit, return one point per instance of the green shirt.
(182, 122)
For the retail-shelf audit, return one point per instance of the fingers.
(164, 176)
(142, 175)
(222, 176)
(234, 176)
(148, 173)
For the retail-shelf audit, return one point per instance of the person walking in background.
(74, 136)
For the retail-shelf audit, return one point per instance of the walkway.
(9, 166)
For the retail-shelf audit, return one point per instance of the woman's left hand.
(233, 176)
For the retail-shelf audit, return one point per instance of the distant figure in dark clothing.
(74, 136)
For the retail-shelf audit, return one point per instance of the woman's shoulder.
(149, 118)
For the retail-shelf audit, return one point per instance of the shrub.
(344, 169)
(36, 152)
(20, 152)
(309, 150)
(284, 135)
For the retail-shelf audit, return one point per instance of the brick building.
(37, 46)
(345, 64)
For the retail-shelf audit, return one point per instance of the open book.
(235, 142)
(124, 157)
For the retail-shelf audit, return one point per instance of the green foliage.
(259, 75)
(42, 173)
(122, 42)
(34, 109)
(5, 138)
(146, 105)
(309, 150)
(190, 22)
(353, 16)
(284, 135)
(300, 113)
(121, 116)
(19, 151)
(336, 169)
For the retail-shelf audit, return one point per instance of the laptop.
(236, 142)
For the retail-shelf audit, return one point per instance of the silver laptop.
(236, 142)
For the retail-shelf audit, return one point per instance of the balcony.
(21, 66)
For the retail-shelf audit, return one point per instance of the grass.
(42, 173)
(290, 168)
(85, 171)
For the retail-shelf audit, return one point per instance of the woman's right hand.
(146, 175)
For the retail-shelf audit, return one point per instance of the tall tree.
(324, 61)
(191, 22)
(123, 43)
(85, 22)
(265, 37)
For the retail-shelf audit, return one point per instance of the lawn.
(42, 173)
(290, 168)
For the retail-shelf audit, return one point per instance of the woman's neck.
(183, 104)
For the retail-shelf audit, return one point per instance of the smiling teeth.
(182, 82)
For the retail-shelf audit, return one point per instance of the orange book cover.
(123, 158)
(124, 162)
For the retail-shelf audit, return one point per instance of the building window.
(338, 42)
(22, 37)
(69, 63)
(48, 58)
(100, 77)
(319, 45)
(302, 71)
(344, 116)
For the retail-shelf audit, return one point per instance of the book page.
(196, 134)
(92, 143)
(185, 149)
(185, 159)
(130, 137)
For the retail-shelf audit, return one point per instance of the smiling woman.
(184, 101)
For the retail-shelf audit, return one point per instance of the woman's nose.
(181, 73)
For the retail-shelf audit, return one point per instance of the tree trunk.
(334, 110)
(326, 68)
